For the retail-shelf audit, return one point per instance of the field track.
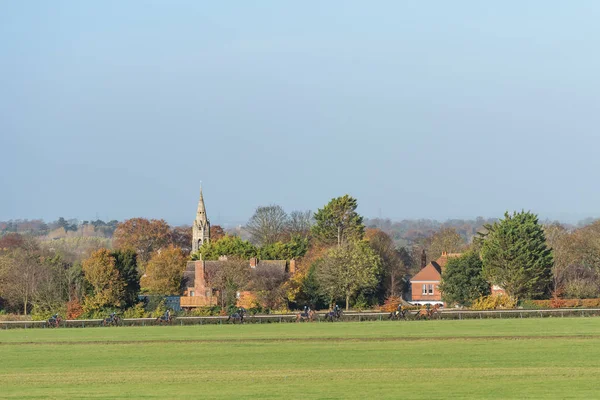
(498, 359)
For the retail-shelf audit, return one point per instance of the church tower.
(201, 227)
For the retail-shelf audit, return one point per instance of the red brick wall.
(417, 292)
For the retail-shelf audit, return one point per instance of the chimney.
(253, 262)
(222, 258)
(292, 266)
(423, 259)
(444, 253)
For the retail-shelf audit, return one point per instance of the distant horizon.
(564, 218)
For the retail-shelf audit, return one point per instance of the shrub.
(360, 303)
(42, 313)
(137, 311)
(391, 304)
(206, 311)
(74, 309)
(567, 303)
(493, 302)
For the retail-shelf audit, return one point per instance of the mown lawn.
(496, 359)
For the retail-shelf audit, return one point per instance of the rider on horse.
(167, 315)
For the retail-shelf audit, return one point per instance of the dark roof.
(279, 264)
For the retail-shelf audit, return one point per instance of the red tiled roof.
(429, 273)
(433, 270)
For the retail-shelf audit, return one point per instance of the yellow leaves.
(164, 271)
(100, 271)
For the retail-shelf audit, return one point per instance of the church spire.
(201, 226)
(201, 213)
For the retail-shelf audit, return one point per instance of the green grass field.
(496, 359)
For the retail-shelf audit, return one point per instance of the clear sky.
(435, 109)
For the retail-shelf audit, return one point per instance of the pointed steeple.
(201, 226)
(201, 213)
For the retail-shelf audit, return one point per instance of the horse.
(163, 320)
(54, 322)
(398, 314)
(306, 316)
(427, 313)
(335, 314)
(113, 320)
(237, 316)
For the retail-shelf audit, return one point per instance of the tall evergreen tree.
(463, 281)
(126, 264)
(338, 222)
(515, 256)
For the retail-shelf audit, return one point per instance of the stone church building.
(197, 290)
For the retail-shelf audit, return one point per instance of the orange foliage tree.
(143, 236)
(164, 271)
(216, 232)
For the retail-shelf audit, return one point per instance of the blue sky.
(418, 109)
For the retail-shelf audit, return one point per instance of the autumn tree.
(516, 257)
(446, 240)
(181, 236)
(216, 233)
(392, 263)
(267, 282)
(107, 285)
(463, 281)
(228, 278)
(338, 222)
(164, 272)
(267, 225)
(348, 269)
(143, 236)
(11, 241)
(21, 275)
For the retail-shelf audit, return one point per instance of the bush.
(493, 302)
(360, 303)
(391, 304)
(206, 311)
(160, 309)
(567, 303)
(74, 309)
(137, 311)
(42, 313)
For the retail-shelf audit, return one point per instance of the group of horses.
(307, 315)
(424, 313)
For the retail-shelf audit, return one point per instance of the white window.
(430, 289)
(424, 289)
(191, 293)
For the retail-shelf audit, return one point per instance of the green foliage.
(361, 303)
(126, 264)
(206, 311)
(40, 313)
(516, 257)
(338, 222)
(137, 311)
(463, 281)
(231, 246)
(310, 292)
(347, 270)
(294, 249)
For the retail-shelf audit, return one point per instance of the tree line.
(339, 259)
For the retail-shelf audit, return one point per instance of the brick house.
(425, 284)
(198, 292)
